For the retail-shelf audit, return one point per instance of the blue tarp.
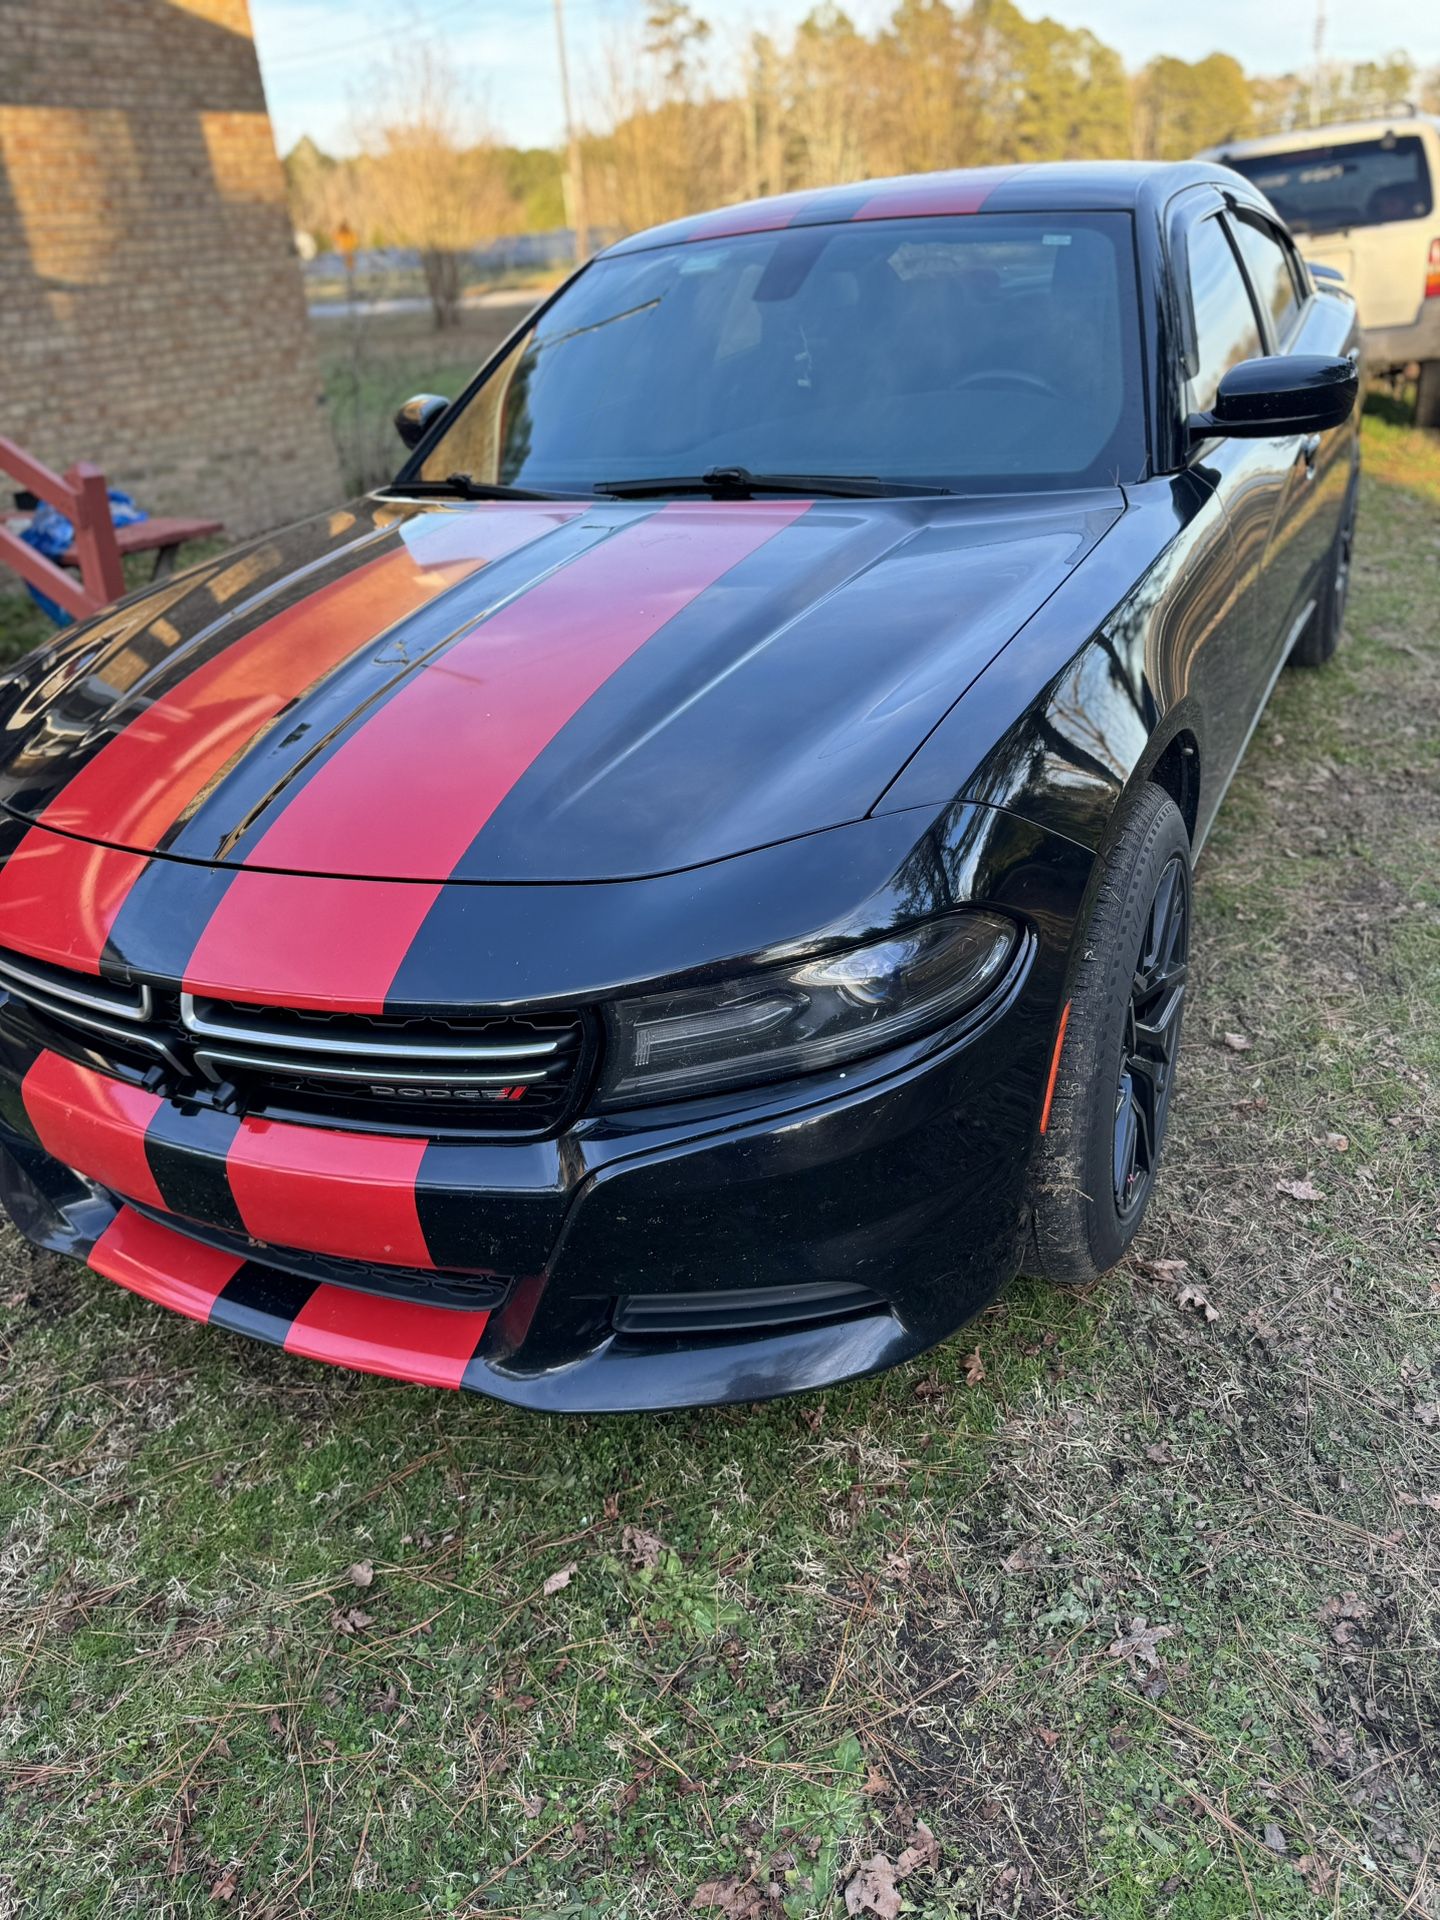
(50, 533)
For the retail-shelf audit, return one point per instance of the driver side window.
(1226, 328)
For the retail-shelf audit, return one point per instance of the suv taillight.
(1432, 272)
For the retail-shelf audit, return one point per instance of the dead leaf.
(1138, 1643)
(737, 1899)
(1274, 1837)
(642, 1549)
(227, 1886)
(1047, 1736)
(974, 1368)
(923, 1851)
(872, 1889)
(1344, 1614)
(875, 1781)
(1238, 1042)
(1338, 1142)
(561, 1577)
(1163, 1269)
(1429, 1414)
(896, 1566)
(1299, 1189)
(1191, 1296)
(612, 1506)
(351, 1619)
(362, 1574)
(812, 1418)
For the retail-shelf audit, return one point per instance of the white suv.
(1362, 198)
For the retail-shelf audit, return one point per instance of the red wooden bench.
(96, 552)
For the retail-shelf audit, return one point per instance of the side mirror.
(1286, 393)
(415, 419)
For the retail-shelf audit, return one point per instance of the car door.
(1307, 512)
(1250, 478)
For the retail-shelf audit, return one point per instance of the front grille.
(476, 1069)
(434, 1074)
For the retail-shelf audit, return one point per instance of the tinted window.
(1362, 183)
(1269, 267)
(1226, 330)
(990, 351)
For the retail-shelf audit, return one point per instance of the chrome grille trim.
(283, 1041)
(34, 981)
(392, 1067)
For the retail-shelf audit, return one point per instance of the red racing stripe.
(402, 1339)
(94, 1124)
(59, 902)
(406, 794)
(286, 940)
(59, 898)
(940, 194)
(163, 1266)
(321, 1191)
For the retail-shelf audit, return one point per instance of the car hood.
(541, 692)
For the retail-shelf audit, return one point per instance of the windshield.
(1361, 183)
(973, 353)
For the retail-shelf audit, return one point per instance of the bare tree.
(431, 174)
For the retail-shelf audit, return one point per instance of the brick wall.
(151, 310)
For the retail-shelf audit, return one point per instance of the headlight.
(788, 1020)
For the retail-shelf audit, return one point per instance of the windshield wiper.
(464, 486)
(739, 483)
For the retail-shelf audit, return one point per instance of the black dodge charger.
(683, 893)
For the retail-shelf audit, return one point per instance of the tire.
(1427, 395)
(1322, 633)
(1117, 1059)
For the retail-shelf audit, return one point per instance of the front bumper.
(723, 1250)
(886, 1214)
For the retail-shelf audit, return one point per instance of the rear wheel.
(1096, 1165)
(1427, 395)
(1321, 637)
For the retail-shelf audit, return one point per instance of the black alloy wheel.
(1096, 1161)
(1151, 1045)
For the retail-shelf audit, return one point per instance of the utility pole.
(574, 166)
(1318, 81)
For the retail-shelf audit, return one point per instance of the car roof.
(1066, 186)
(1334, 133)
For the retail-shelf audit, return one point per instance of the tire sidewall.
(1078, 1230)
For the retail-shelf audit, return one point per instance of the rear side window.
(1268, 265)
(1226, 329)
(1359, 183)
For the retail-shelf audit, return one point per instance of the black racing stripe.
(642, 734)
(186, 1149)
(470, 1229)
(162, 918)
(318, 726)
(18, 1053)
(12, 832)
(160, 644)
(260, 1302)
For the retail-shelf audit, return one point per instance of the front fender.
(1088, 697)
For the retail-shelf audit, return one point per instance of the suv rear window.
(1358, 183)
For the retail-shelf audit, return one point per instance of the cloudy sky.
(316, 54)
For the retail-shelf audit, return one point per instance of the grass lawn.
(1123, 1604)
(371, 364)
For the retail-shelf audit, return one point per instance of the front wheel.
(1105, 1126)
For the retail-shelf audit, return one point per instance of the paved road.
(416, 303)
